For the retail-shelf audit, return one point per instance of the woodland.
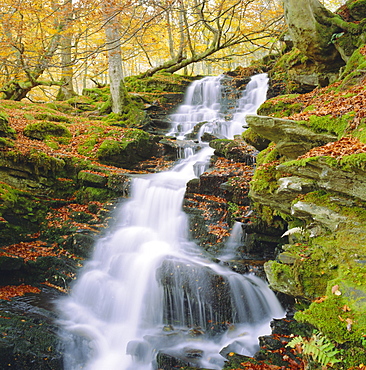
(85, 90)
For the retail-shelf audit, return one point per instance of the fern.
(319, 347)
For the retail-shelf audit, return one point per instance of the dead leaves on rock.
(10, 291)
(337, 149)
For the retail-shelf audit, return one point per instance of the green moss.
(5, 129)
(82, 103)
(266, 174)
(90, 194)
(135, 145)
(329, 124)
(98, 94)
(6, 143)
(252, 138)
(353, 162)
(42, 130)
(354, 71)
(63, 107)
(86, 147)
(51, 117)
(339, 204)
(160, 82)
(280, 107)
(23, 211)
(342, 325)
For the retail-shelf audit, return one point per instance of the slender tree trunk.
(66, 91)
(113, 38)
(67, 72)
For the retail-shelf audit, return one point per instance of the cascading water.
(148, 289)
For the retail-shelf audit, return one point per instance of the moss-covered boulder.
(5, 129)
(236, 150)
(43, 130)
(135, 145)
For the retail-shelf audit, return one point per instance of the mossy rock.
(357, 9)
(51, 117)
(134, 146)
(6, 143)
(89, 178)
(90, 194)
(236, 150)
(82, 103)
(159, 82)
(280, 107)
(5, 129)
(344, 307)
(252, 138)
(354, 72)
(22, 211)
(43, 130)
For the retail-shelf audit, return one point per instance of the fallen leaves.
(10, 291)
(337, 149)
(28, 250)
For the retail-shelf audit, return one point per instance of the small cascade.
(202, 103)
(235, 240)
(148, 291)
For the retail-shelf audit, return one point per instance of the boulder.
(292, 139)
(330, 175)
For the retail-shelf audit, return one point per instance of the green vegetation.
(158, 83)
(128, 150)
(329, 124)
(280, 107)
(5, 129)
(43, 130)
(318, 348)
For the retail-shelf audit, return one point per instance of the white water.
(148, 288)
(204, 102)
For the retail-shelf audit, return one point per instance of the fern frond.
(319, 347)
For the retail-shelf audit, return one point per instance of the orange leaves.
(337, 149)
(328, 102)
(220, 230)
(9, 291)
(224, 166)
(28, 250)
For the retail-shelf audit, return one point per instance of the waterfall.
(148, 288)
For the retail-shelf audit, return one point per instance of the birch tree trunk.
(113, 40)
(66, 91)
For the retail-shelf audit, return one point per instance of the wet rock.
(140, 350)
(83, 243)
(207, 137)
(236, 150)
(193, 352)
(10, 263)
(29, 335)
(169, 362)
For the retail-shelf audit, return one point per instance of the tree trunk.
(113, 37)
(311, 30)
(67, 72)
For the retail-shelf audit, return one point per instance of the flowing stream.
(148, 288)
